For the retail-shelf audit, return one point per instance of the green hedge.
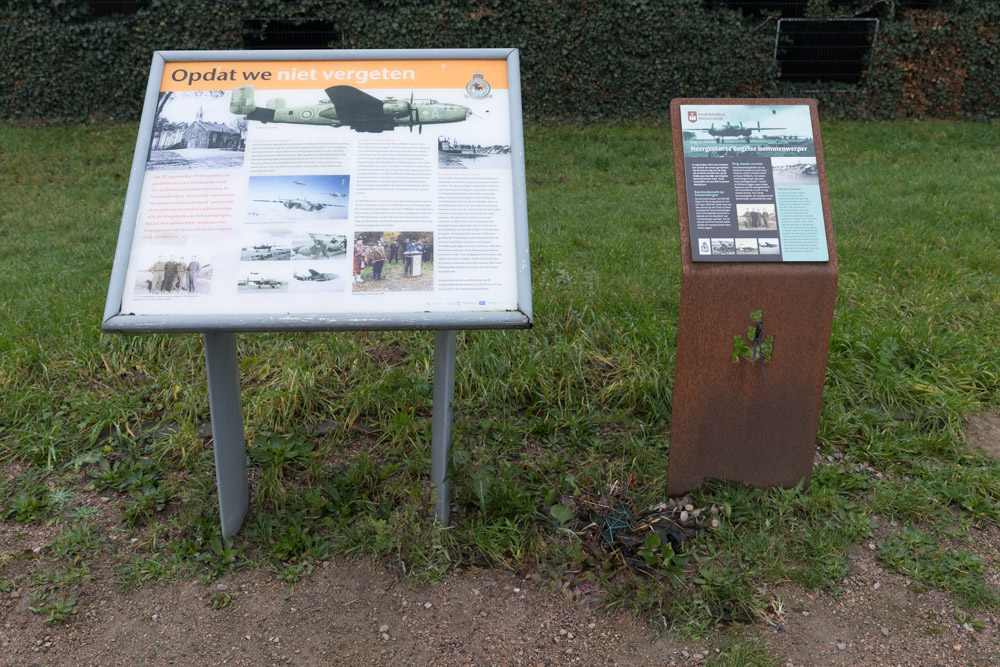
(581, 60)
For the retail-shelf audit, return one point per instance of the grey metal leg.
(227, 429)
(444, 395)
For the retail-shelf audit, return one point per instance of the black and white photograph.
(746, 246)
(456, 154)
(279, 245)
(795, 171)
(769, 245)
(321, 277)
(756, 217)
(394, 261)
(297, 198)
(195, 130)
(174, 274)
(262, 278)
(723, 246)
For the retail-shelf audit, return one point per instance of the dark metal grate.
(287, 34)
(836, 50)
(839, 8)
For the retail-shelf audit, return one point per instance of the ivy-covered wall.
(581, 60)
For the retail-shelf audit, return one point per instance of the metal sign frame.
(220, 330)
(115, 320)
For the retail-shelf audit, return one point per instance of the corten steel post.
(729, 420)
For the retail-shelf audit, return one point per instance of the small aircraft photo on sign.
(732, 130)
(298, 197)
(347, 106)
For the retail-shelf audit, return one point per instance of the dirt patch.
(881, 618)
(343, 614)
(983, 433)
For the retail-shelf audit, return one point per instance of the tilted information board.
(326, 190)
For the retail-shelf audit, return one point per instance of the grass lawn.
(550, 423)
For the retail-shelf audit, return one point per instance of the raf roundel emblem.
(692, 116)
(307, 114)
(478, 88)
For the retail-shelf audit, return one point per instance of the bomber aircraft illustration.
(768, 244)
(731, 130)
(347, 106)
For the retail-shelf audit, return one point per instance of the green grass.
(575, 410)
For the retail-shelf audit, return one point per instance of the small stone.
(884, 630)
(957, 647)
(383, 628)
(222, 587)
(483, 614)
(562, 632)
(841, 646)
(805, 613)
(427, 605)
(877, 586)
(591, 625)
(475, 591)
(385, 636)
(105, 499)
(570, 635)
(517, 590)
(871, 546)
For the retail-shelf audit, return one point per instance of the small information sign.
(753, 189)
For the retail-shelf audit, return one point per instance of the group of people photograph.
(176, 275)
(402, 260)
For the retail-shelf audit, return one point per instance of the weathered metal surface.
(729, 420)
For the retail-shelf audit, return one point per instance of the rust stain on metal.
(730, 421)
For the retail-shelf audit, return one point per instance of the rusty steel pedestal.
(733, 420)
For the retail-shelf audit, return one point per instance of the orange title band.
(321, 74)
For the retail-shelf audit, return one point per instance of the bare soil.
(360, 613)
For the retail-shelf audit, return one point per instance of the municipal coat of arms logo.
(692, 116)
(478, 88)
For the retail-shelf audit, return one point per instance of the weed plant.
(338, 424)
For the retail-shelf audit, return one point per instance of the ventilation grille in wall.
(834, 50)
(285, 34)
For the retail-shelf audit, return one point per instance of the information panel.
(338, 189)
(752, 183)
